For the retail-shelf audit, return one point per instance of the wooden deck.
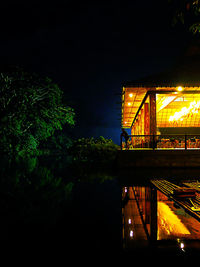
(193, 184)
(158, 158)
(167, 188)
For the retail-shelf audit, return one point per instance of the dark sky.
(89, 49)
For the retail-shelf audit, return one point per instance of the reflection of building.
(167, 103)
(150, 216)
(169, 225)
(135, 217)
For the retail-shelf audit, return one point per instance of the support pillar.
(146, 123)
(153, 222)
(152, 109)
(139, 124)
(147, 205)
(142, 121)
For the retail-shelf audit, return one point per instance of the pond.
(47, 205)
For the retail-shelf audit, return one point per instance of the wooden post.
(146, 123)
(152, 109)
(147, 205)
(136, 126)
(139, 130)
(153, 223)
(146, 119)
(142, 122)
(132, 130)
(139, 124)
(132, 133)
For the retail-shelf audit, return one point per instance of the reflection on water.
(43, 199)
(169, 224)
(150, 216)
(47, 203)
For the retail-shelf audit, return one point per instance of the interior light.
(129, 221)
(129, 103)
(166, 102)
(180, 115)
(130, 95)
(180, 88)
(131, 233)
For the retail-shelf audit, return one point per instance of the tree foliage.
(59, 143)
(94, 151)
(188, 13)
(31, 110)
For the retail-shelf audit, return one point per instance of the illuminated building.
(164, 104)
(152, 108)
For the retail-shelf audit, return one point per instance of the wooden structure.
(166, 102)
(193, 184)
(168, 188)
(147, 110)
(177, 158)
(134, 232)
(151, 214)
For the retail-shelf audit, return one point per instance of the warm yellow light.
(169, 222)
(166, 102)
(129, 103)
(180, 115)
(180, 88)
(130, 95)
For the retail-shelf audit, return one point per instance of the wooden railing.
(159, 142)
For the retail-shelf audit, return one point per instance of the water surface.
(46, 204)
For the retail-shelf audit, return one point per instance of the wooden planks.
(167, 188)
(193, 184)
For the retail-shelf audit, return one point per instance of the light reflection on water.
(149, 215)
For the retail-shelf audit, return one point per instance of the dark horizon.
(90, 49)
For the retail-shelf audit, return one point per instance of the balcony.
(161, 142)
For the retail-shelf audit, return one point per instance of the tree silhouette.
(188, 13)
(31, 110)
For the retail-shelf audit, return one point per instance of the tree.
(31, 110)
(95, 151)
(188, 13)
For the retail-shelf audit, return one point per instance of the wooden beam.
(175, 91)
(152, 111)
(146, 119)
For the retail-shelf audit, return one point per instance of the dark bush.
(91, 150)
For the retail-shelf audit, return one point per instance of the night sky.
(90, 49)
